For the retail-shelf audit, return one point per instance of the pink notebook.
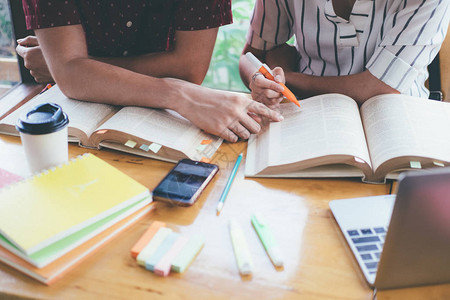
(6, 178)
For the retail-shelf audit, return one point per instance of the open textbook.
(330, 137)
(155, 133)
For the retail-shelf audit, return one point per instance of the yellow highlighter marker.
(240, 247)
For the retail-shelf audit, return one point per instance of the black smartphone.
(185, 182)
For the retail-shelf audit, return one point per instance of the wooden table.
(318, 264)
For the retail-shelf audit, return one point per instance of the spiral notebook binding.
(43, 172)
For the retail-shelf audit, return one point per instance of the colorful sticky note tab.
(144, 147)
(205, 160)
(162, 268)
(102, 131)
(155, 147)
(146, 238)
(201, 148)
(438, 163)
(130, 143)
(151, 247)
(151, 262)
(188, 253)
(415, 165)
(359, 160)
(206, 142)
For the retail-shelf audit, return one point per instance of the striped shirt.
(394, 39)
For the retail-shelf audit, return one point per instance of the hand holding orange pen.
(266, 72)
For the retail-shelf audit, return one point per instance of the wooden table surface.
(318, 263)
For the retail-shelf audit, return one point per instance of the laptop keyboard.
(369, 244)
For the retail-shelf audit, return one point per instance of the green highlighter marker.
(268, 239)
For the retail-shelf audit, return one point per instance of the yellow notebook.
(44, 209)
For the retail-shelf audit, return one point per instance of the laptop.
(404, 239)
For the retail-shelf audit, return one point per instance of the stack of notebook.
(51, 221)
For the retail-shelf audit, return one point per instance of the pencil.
(228, 185)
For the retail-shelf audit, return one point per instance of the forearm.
(222, 113)
(359, 86)
(189, 60)
(162, 64)
(90, 80)
(228, 115)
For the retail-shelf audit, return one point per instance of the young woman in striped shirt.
(360, 48)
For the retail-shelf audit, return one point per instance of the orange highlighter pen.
(265, 70)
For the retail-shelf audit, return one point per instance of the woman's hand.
(28, 48)
(267, 91)
(227, 114)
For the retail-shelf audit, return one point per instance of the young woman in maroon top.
(150, 53)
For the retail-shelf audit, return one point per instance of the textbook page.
(326, 129)
(405, 128)
(84, 117)
(163, 127)
(15, 97)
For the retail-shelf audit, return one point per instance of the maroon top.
(121, 28)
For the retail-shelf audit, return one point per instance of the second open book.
(330, 137)
(156, 133)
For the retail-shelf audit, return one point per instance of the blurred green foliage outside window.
(223, 72)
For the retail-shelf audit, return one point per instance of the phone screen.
(185, 182)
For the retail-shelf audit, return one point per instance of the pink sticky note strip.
(165, 263)
(7, 178)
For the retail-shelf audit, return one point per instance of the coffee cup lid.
(42, 119)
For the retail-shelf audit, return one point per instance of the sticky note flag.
(201, 148)
(155, 147)
(130, 143)
(359, 160)
(188, 253)
(205, 160)
(102, 131)
(151, 247)
(162, 268)
(438, 163)
(415, 165)
(151, 262)
(145, 147)
(146, 238)
(206, 142)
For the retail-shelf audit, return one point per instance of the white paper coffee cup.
(43, 131)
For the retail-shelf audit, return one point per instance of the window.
(223, 72)
(9, 68)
